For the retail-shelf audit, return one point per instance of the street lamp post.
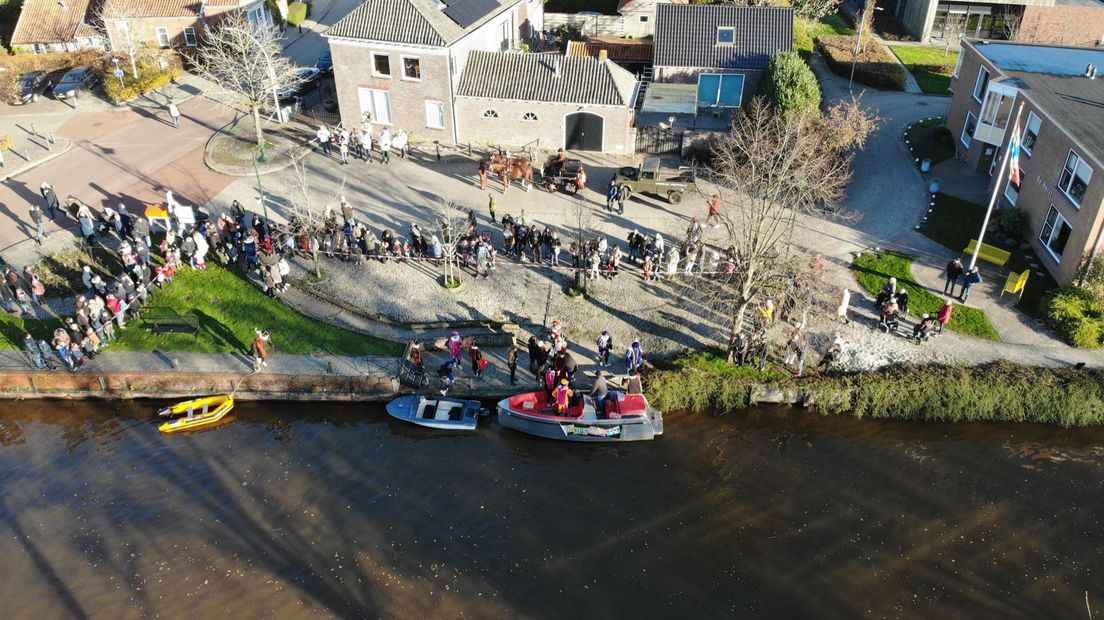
(858, 41)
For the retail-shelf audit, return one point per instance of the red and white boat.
(627, 417)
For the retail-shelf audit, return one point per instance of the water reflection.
(338, 510)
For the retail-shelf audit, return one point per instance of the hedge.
(998, 392)
(1076, 314)
(297, 13)
(875, 67)
(789, 83)
(149, 79)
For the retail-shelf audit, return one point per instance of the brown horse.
(509, 169)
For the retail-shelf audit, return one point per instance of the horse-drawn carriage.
(565, 176)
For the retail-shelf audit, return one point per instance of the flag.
(1014, 155)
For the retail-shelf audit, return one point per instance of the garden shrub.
(150, 78)
(789, 84)
(1076, 314)
(1014, 222)
(297, 13)
(874, 68)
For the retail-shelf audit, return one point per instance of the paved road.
(121, 156)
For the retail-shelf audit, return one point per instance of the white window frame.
(1046, 236)
(402, 68)
(375, 96)
(1011, 194)
(958, 65)
(1031, 120)
(163, 39)
(190, 36)
(980, 85)
(489, 114)
(376, 73)
(963, 138)
(1076, 171)
(718, 36)
(435, 111)
(525, 117)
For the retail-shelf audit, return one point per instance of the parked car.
(325, 62)
(308, 79)
(76, 81)
(654, 176)
(30, 87)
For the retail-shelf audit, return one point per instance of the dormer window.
(726, 36)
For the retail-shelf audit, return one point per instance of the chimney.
(62, 4)
(1088, 70)
(603, 55)
(1093, 76)
(556, 68)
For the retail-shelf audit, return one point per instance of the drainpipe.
(452, 100)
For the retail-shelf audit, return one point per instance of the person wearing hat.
(599, 392)
(944, 315)
(563, 397)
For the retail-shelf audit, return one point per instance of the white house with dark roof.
(710, 57)
(399, 62)
(546, 101)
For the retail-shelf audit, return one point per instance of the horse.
(509, 169)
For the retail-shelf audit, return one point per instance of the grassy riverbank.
(998, 392)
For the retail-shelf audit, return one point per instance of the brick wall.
(182, 384)
(1042, 169)
(1062, 25)
(145, 30)
(963, 102)
(353, 70)
(510, 130)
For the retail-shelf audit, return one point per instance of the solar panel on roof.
(467, 12)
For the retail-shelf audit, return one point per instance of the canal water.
(307, 510)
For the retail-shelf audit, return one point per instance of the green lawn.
(715, 360)
(932, 67)
(805, 32)
(954, 222)
(229, 309)
(929, 140)
(873, 270)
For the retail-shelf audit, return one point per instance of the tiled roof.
(532, 77)
(48, 21)
(415, 22)
(152, 8)
(686, 35)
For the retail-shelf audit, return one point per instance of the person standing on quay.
(511, 362)
(954, 272)
(845, 303)
(38, 218)
(174, 113)
(972, 278)
(260, 349)
(50, 197)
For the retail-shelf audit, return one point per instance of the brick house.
(715, 54)
(400, 61)
(1062, 158)
(56, 26)
(69, 25)
(171, 23)
(546, 101)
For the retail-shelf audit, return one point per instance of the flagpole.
(996, 189)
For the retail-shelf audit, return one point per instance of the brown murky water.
(320, 511)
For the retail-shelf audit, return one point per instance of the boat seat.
(426, 409)
(444, 409)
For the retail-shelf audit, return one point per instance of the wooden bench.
(989, 253)
(162, 320)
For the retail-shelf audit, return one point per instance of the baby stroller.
(889, 321)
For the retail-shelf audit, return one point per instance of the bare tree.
(771, 169)
(244, 59)
(452, 227)
(1011, 22)
(116, 19)
(310, 214)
